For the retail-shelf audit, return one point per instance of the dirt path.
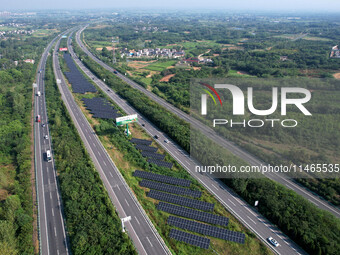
(167, 77)
(336, 76)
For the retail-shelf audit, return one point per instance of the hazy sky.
(277, 5)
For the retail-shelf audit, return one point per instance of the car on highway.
(143, 125)
(166, 141)
(156, 136)
(273, 241)
(46, 137)
(43, 125)
(115, 72)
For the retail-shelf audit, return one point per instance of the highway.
(52, 235)
(231, 201)
(140, 229)
(210, 133)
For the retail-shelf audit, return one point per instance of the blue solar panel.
(192, 239)
(162, 178)
(193, 214)
(207, 230)
(184, 201)
(170, 188)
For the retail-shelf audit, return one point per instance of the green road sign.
(126, 119)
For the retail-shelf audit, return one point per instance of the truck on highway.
(38, 118)
(38, 94)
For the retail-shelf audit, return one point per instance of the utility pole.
(114, 60)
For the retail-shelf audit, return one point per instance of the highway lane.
(232, 202)
(144, 235)
(209, 132)
(52, 235)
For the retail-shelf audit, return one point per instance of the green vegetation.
(160, 65)
(92, 223)
(16, 210)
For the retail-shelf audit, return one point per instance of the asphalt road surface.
(210, 133)
(52, 235)
(231, 201)
(140, 229)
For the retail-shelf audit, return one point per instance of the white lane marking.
(312, 202)
(250, 211)
(149, 241)
(104, 163)
(94, 145)
(231, 202)
(137, 220)
(110, 174)
(118, 187)
(251, 219)
(187, 162)
(126, 201)
(214, 186)
(52, 212)
(50, 195)
(55, 231)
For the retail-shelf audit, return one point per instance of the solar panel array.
(100, 108)
(184, 201)
(208, 230)
(79, 83)
(162, 178)
(192, 239)
(141, 141)
(146, 148)
(193, 214)
(160, 163)
(153, 155)
(170, 188)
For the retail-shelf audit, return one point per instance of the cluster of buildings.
(5, 32)
(335, 52)
(159, 53)
(16, 32)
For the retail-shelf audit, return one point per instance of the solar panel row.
(160, 163)
(100, 108)
(208, 230)
(162, 178)
(141, 141)
(193, 214)
(152, 155)
(79, 83)
(146, 148)
(192, 239)
(170, 188)
(184, 201)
